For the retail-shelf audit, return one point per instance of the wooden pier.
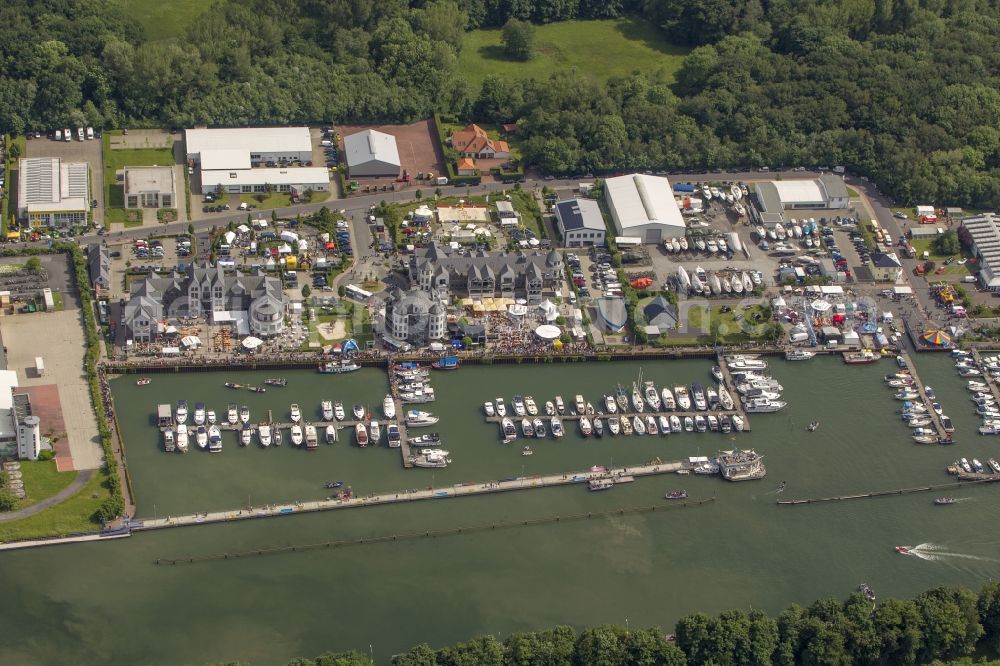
(620, 474)
(987, 378)
(927, 402)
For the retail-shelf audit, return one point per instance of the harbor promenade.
(618, 475)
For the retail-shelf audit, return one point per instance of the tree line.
(903, 91)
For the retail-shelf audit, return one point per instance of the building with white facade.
(983, 232)
(291, 180)
(150, 187)
(580, 222)
(29, 438)
(53, 193)
(415, 317)
(371, 154)
(827, 191)
(643, 206)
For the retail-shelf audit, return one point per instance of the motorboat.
(560, 405)
(638, 425)
(375, 431)
(653, 397)
(276, 381)
(168, 440)
(181, 413)
(683, 398)
(526, 451)
(507, 429)
(763, 405)
(637, 402)
(214, 439)
(359, 412)
(621, 398)
(799, 355)
(930, 392)
(232, 414)
(338, 367)
(716, 373)
(530, 406)
(667, 399)
(276, 436)
(199, 413)
(550, 408)
(903, 550)
(539, 426)
(725, 423)
(327, 408)
(713, 422)
(598, 426)
(586, 429)
(698, 395)
(518, 403)
(676, 494)
(244, 414)
(296, 435)
(556, 426)
(626, 425)
(201, 437)
(264, 434)
(947, 424)
(675, 423)
(389, 406)
(295, 413)
(246, 434)
(418, 396)
(813, 426)
(589, 409)
(742, 362)
(256, 389)
(664, 424)
(488, 408)
(143, 381)
(527, 428)
(725, 399)
(944, 501)
(977, 466)
(182, 438)
(651, 428)
(211, 417)
(737, 422)
(418, 419)
(579, 404)
(610, 406)
(700, 424)
(501, 408)
(688, 424)
(712, 396)
(614, 425)
(232, 385)
(360, 434)
(603, 483)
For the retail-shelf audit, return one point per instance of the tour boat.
(214, 439)
(182, 438)
(488, 408)
(598, 426)
(560, 405)
(232, 414)
(296, 435)
(527, 429)
(683, 398)
(375, 430)
(231, 385)
(539, 426)
(389, 406)
(417, 419)
(667, 399)
(600, 484)
(338, 411)
(295, 413)
(336, 368)
(579, 404)
(676, 494)
(182, 411)
(244, 414)
(264, 434)
(245, 434)
(556, 426)
(327, 408)
(609, 404)
(530, 406)
(501, 408)
(359, 412)
(211, 417)
(653, 397)
(638, 425)
(276, 381)
(312, 441)
(331, 435)
(201, 437)
(143, 382)
(585, 427)
(446, 363)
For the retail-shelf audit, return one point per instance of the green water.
(108, 602)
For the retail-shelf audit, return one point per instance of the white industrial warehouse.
(371, 154)
(644, 207)
(236, 159)
(827, 191)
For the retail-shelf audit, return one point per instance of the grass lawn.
(922, 245)
(276, 200)
(167, 18)
(115, 160)
(41, 480)
(853, 193)
(626, 44)
(731, 329)
(68, 517)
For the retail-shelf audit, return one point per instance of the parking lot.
(76, 151)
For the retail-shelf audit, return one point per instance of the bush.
(7, 501)
(47, 454)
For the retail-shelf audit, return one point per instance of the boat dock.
(987, 378)
(924, 400)
(619, 475)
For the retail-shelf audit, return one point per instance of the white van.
(441, 180)
(90, 133)
(243, 205)
(67, 135)
(79, 133)
(58, 135)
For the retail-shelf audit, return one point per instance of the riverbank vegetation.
(945, 625)
(775, 83)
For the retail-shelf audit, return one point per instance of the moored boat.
(296, 434)
(327, 407)
(214, 439)
(361, 434)
(182, 438)
(264, 434)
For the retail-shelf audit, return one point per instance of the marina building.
(484, 275)
(415, 317)
(53, 193)
(150, 187)
(827, 191)
(249, 160)
(982, 233)
(580, 222)
(252, 304)
(643, 206)
(371, 154)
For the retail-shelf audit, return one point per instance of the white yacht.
(664, 423)
(667, 399)
(211, 417)
(245, 434)
(295, 413)
(683, 398)
(799, 355)
(579, 404)
(182, 411)
(376, 431)
(698, 393)
(585, 427)
(417, 419)
(244, 414)
(214, 439)
(232, 414)
(527, 428)
(556, 426)
(737, 422)
(182, 438)
(361, 434)
(199, 413)
(614, 425)
(501, 408)
(763, 405)
(609, 404)
(488, 408)
(296, 434)
(740, 362)
(651, 428)
(539, 426)
(638, 425)
(560, 405)
(675, 423)
(264, 434)
(550, 408)
(359, 411)
(168, 440)
(327, 407)
(530, 406)
(688, 424)
(331, 434)
(389, 407)
(312, 441)
(338, 411)
(518, 403)
(637, 402)
(700, 424)
(653, 397)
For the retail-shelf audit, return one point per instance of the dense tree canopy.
(903, 91)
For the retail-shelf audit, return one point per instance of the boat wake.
(938, 553)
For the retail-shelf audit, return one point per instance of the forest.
(945, 625)
(903, 91)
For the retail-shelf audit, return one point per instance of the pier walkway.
(927, 402)
(987, 378)
(620, 474)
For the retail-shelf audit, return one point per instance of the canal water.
(110, 603)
